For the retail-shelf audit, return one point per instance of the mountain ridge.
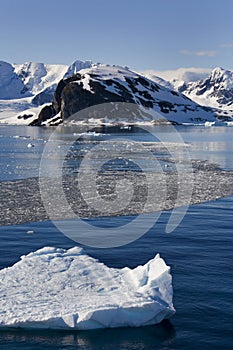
(36, 85)
(104, 83)
(213, 89)
(33, 77)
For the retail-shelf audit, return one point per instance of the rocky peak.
(221, 78)
(216, 90)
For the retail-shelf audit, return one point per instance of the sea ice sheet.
(67, 289)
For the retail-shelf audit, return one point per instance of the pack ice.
(67, 289)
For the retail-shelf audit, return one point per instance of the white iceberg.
(67, 289)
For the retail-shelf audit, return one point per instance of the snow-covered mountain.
(37, 93)
(30, 79)
(216, 90)
(205, 87)
(103, 83)
(28, 85)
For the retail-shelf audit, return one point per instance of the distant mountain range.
(31, 79)
(41, 94)
(207, 88)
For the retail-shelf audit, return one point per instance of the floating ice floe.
(215, 123)
(30, 145)
(67, 289)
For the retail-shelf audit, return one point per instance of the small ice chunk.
(63, 289)
(30, 145)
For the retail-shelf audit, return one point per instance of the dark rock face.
(75, 98)
(71, 96)
(25, 116)
(60, 87)
(166, 106)
(46, 113)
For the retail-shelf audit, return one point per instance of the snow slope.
(178, 77)
(11, 84)
(75, 67)
(63, 289)
(38, 76)
(26, 86)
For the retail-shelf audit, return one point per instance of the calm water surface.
(199, 251)
(21, 147)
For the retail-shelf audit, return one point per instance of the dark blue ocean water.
(199, 251)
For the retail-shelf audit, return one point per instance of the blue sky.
(142, 34)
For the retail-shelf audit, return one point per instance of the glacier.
(29, 86)
(67, 289)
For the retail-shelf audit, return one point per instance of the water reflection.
(215, 152)
(150, 337)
